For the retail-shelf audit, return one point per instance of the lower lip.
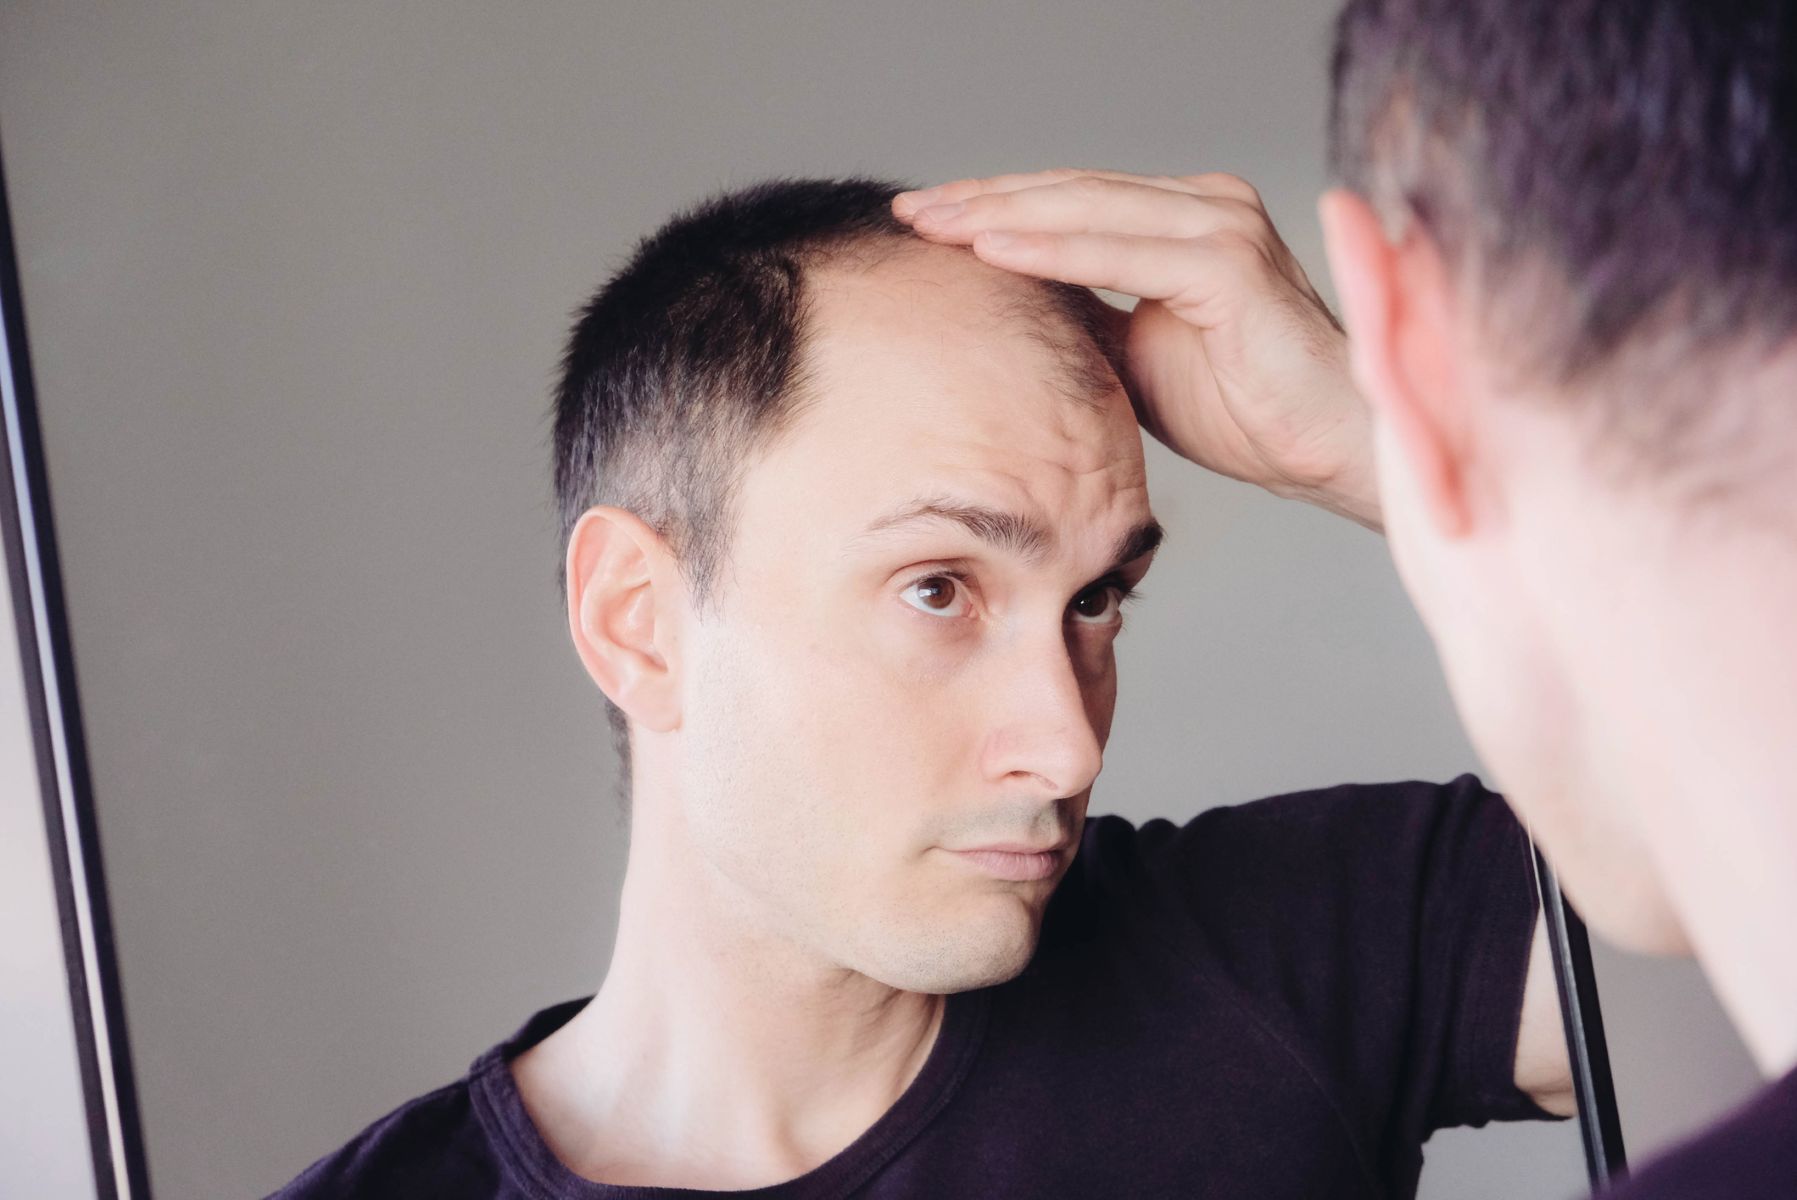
(1018, 868)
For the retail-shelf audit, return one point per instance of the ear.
(621, 609)
(1399, 307)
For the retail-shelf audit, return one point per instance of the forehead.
(909, 295)
(928, 372)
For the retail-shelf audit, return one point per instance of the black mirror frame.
(48, 666)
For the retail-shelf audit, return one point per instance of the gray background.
(298, 276)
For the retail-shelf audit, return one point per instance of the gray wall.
(298, 274)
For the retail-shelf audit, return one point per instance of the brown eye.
(938, 592)
(1097, 607)
(938, 595)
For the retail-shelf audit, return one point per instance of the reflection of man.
(1566, 243)
(851, 521)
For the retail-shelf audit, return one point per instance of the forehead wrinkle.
(1008, 531)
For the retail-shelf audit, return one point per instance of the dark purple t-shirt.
(1749, 1155)
(1276, 999)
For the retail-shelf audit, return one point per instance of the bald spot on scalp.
(1071, 323)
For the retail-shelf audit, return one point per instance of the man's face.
(1534, 613)
(909, 653)
(1522, 561)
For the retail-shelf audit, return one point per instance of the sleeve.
(1384, 932)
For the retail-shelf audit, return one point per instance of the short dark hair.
(1617, 180)
(688, 360)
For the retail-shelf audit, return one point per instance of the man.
(1565, 239)
(850, 521)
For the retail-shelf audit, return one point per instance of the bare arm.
(1543, 1065)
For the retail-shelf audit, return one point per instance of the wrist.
(1341, 477)
(1349, 490)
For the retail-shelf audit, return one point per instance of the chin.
(961, 956)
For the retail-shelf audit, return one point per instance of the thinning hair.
(1613, 184)
(687, 362)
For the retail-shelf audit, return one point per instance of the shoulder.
(1366, 868)
(460, 1142)
(432, 1145)
(1299, 840)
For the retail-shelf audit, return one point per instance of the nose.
(1045, 738)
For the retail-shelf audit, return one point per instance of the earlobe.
(1396, 305)
(619, 615)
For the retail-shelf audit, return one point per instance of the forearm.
(1543, 1066)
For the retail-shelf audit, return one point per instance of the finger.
(1216, 184)
(906, 203)
(1225, 186)
(1131, 265)
(1190, 277)
(1086, 205)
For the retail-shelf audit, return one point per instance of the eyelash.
(1126, 593)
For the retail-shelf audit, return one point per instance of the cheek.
(765, 804)
(1496, 668)
(1480, 633)
(1510, 684)
(846, 732)
(1095, 662)
(1403, 532)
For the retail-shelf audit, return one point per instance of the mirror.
(299, 279)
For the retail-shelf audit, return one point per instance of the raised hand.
(1233, 361)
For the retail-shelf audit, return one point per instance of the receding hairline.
(1066, 320)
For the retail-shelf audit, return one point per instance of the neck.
(717, 1055)
(1707, 757)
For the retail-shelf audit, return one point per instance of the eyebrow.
(1143, 539)
(1012, 532)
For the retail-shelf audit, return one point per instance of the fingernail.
(997, 241)
(936, 214)
(910, 202)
